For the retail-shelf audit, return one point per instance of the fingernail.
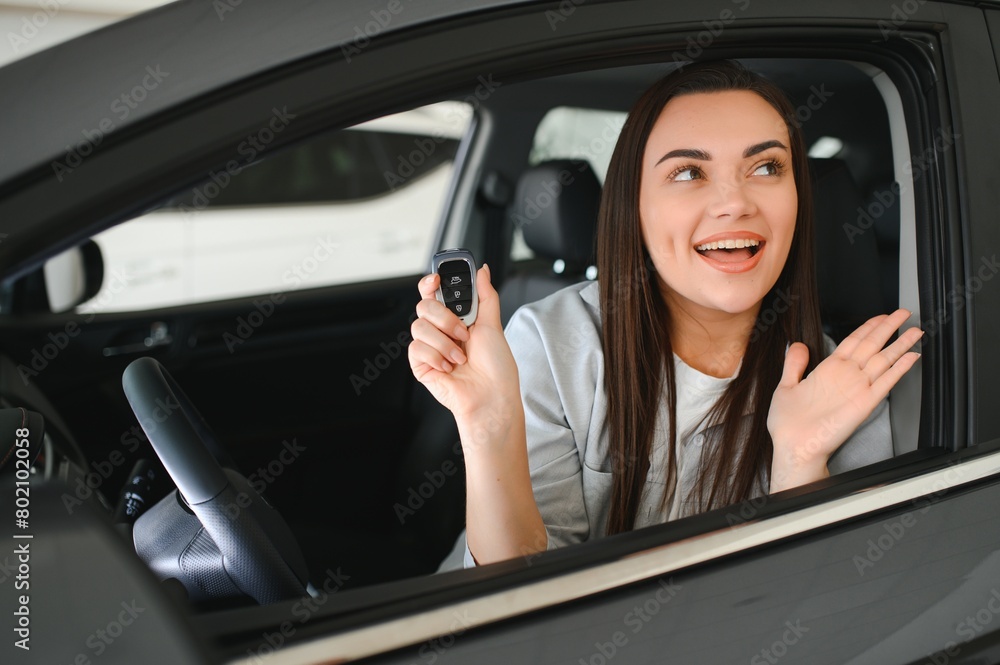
(461, 332)
(445, 366)
(457, 356)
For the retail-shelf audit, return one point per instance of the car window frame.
(919, 473)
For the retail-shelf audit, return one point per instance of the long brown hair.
(635, 319)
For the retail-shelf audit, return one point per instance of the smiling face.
(717, 202)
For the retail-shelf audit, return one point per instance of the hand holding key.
(470, 370)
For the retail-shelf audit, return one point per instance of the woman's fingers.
(873, 342)
(889, 378)
(436, 348)
(424, 357)
(428, 285)
(869, 339)
(882, 366)
(882, 361)
(847, 347)
(796, 360)
(489, 299)
(430, 310)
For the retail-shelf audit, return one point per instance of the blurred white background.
(28, 26)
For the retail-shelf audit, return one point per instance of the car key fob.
(457, 269)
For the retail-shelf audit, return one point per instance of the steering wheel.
(215, 534)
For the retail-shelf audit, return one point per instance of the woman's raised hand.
(466, 369)
(810, 418)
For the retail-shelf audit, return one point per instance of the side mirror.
(60, 284)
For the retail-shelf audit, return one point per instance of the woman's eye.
(686, 173)
(770, 168)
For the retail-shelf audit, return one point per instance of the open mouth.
(731, 250)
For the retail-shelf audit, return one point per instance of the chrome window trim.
(456, 224)
(461, 190)
(644, 565)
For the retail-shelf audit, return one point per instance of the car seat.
(555, 206)
(848, 271)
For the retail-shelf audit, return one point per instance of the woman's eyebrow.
(696, 153)
(762, 146)
(689, 153)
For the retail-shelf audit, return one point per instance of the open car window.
(349, 206)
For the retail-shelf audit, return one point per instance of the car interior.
(380, 488)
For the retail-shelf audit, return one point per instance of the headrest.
(556, 205)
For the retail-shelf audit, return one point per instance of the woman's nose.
(731, 200)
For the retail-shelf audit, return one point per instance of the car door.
(278, 291)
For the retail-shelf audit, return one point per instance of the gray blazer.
(556, 343)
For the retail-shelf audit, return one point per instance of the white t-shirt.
(697, 393)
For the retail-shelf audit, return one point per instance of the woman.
(661, 391)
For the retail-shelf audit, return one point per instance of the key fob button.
(451, 293)
(454, 274)
(457, 286)
(460, 307)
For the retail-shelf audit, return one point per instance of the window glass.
(324, 212)
(575, 133)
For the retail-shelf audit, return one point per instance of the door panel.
(914, 584)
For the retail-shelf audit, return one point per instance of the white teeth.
(738, 243)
